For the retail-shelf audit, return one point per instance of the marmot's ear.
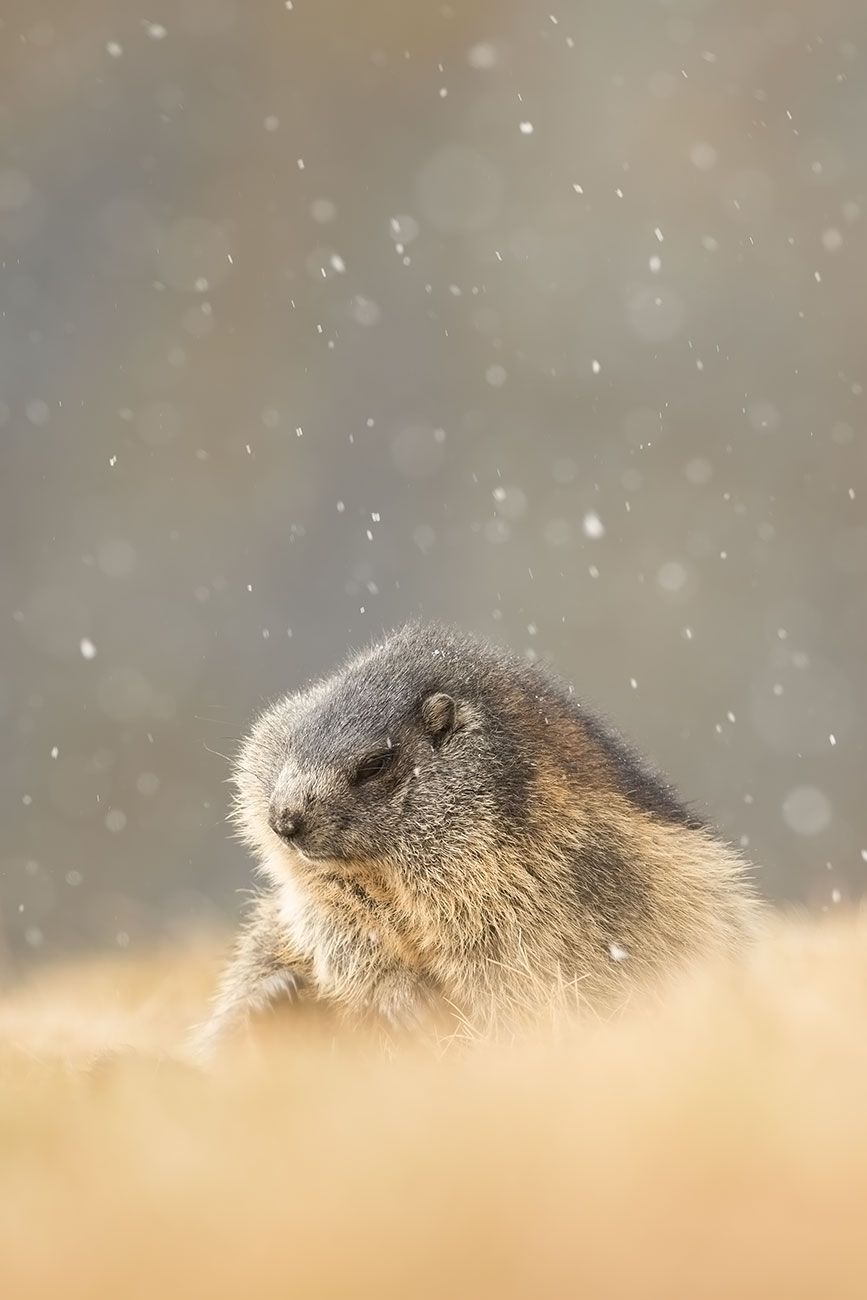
(439, 714)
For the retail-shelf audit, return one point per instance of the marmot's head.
(431, 754)
(405, 757)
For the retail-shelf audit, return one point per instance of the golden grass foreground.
(713, 1144)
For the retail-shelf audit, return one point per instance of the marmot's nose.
(288, 823)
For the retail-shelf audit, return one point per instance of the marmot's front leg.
(262, 971)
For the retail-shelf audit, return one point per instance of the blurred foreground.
(712, 1146)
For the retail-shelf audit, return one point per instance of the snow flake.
(37, 411)
(482, 55)
(807, 810)
(703, 156)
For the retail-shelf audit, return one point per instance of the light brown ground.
(714, 1145)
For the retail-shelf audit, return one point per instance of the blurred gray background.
(545, 319)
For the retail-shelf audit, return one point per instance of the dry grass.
(711, 1146)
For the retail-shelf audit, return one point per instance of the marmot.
(441, 825)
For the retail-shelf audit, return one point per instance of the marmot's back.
(441, 823)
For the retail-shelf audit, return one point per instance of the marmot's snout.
(286, 821)
(313, 811)
(289, 809)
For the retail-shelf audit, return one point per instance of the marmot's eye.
(374, 765)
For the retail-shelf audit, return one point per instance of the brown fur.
(711, 1146)
(435, 896)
